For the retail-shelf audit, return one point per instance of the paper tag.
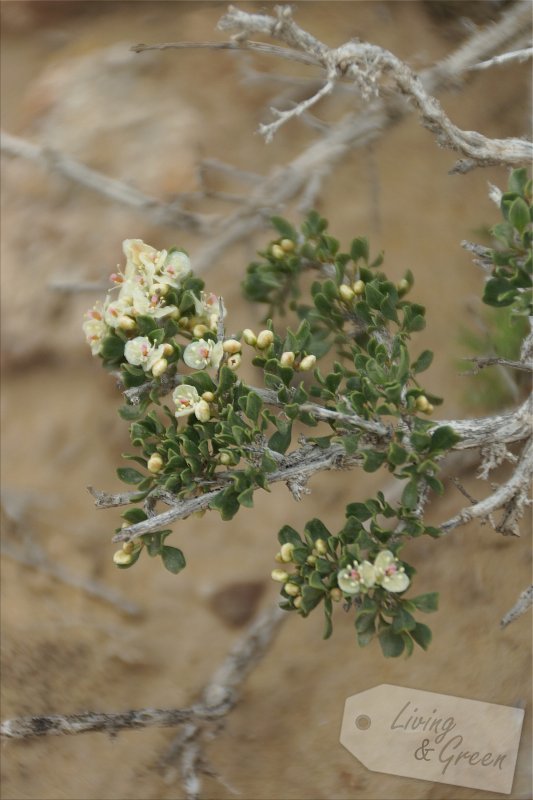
(433, 737)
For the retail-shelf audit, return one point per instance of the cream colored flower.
(142, 353)
(350, 579)
(186, 399)
(208, 309)
(389, 574)
(202, 354)
(94, 329)
(174, 269)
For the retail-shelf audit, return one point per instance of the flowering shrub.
(361, 403)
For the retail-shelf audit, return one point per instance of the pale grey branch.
(515, 490)
(524, 602)
(162, 213)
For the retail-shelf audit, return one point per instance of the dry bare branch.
(369, 65)
(219, 696)
(524, 602)
(35, 559)
(504, 58)
(513, 492)
(161, 213)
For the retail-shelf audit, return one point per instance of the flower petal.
(395, 583)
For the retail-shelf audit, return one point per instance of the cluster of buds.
(297, 361)
(290, 586)
(348, 291)
(422, 404)
(386, 572)
(283, 248)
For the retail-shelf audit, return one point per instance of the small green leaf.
(518, 181)
(112, 348)
(372, 460)
(129, 475)
(310, 598)
(173, 559)
(246, 498)
(288, 534)
(359, 249)
(253, 406)
(422, 362)
(403, 621)
(443, 438)
(426, 602)
(281, 439)
(396, 454)
(519, 214)
(133, 515)
(392, 644)
(422, 635)
(410, 495)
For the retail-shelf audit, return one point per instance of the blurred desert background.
(71, 83)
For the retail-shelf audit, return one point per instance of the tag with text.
(433, 737)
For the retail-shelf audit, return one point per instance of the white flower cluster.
(385, 572)
(147, 278)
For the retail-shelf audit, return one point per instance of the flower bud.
(126, 323)
(202, 412)
(430, 409)
(422, 403)
(208, 397)
(286, 551)
(307, 363)
(168, 350)
(277, 251)
(249, 337)
(321, 547)
(234, 362)
(287, 245)
(279, 575)
(264, 339)
(122, 558)
(128, 547)
(183, 322)
(224, 458)
(161, 289)
(292, 589)
(336, 595)
(346, 293)
(199, 330)
(403, 286)
(359, 287)
(287, 358)
(278, 558)
(297, 602)
(160, 366)
(155, 463)
(231, 346)
(311, 560)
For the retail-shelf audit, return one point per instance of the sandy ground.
(64, 651)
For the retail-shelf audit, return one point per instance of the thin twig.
(504, 58)
(524, 602)
(517, 486)
(162, 213)
(35, 559)
(489, 361)
(218, 698)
